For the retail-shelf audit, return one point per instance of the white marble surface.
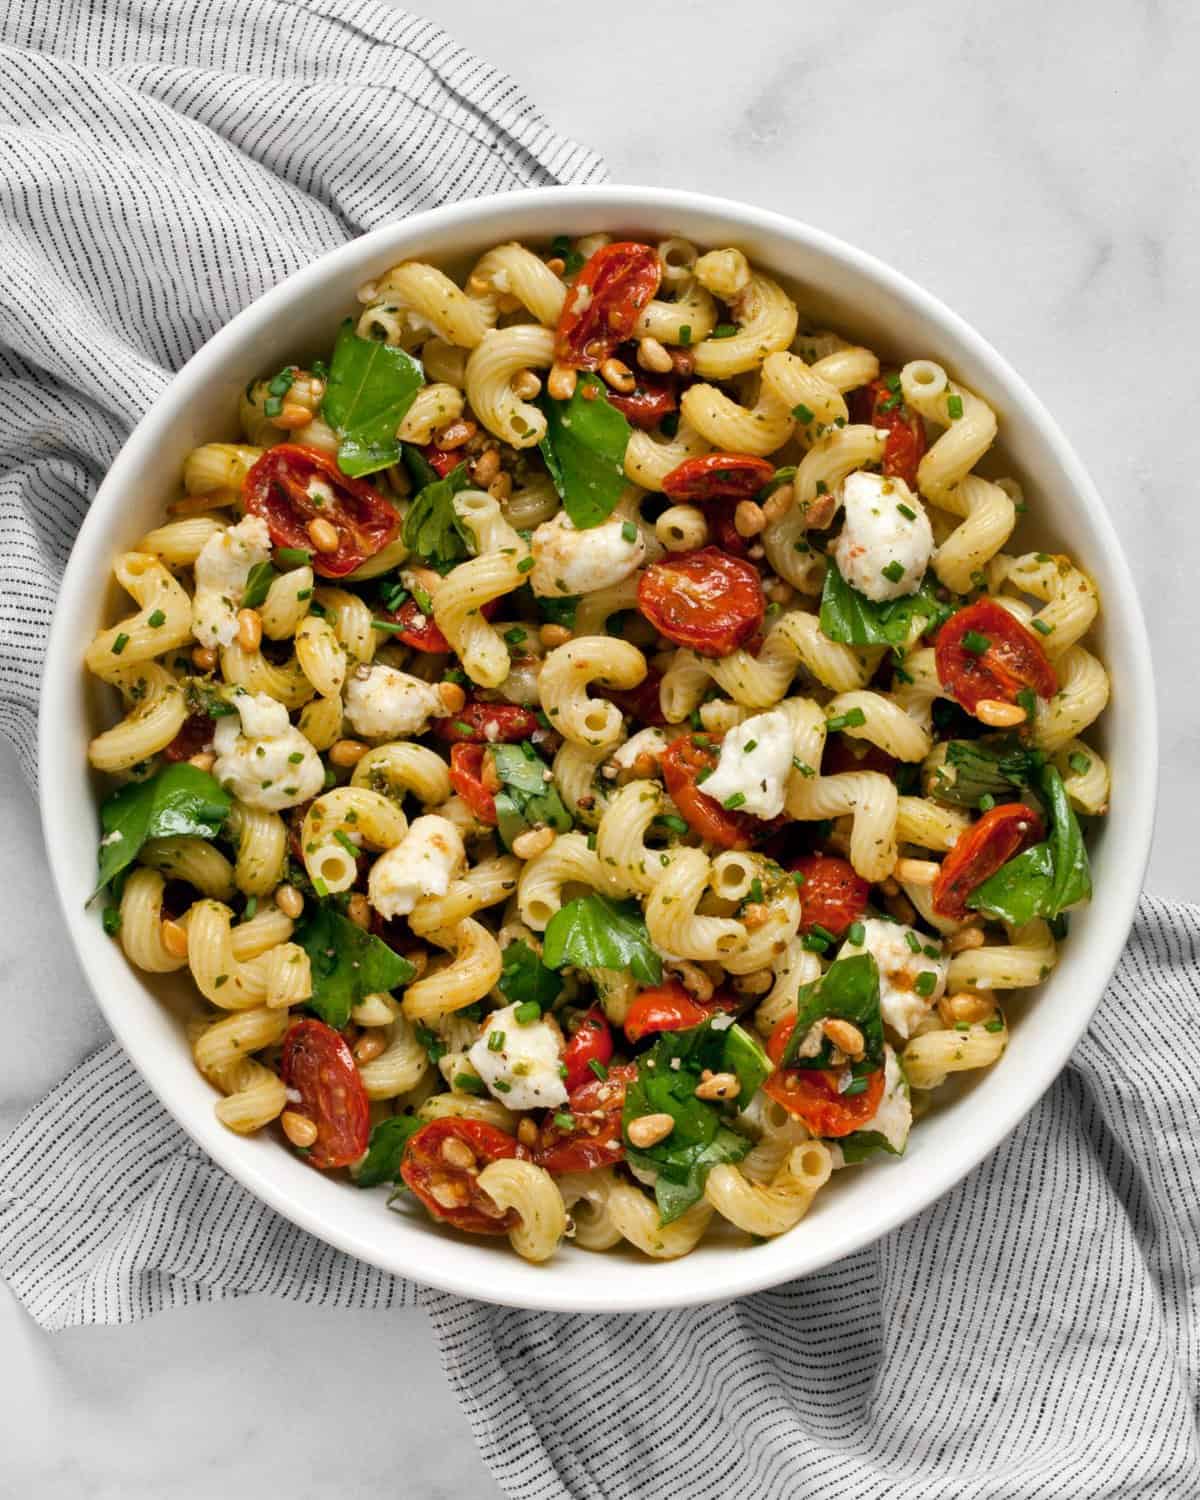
(1034, 165)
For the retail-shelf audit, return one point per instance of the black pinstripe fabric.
(1031, 1336)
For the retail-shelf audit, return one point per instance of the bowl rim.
(744, 1273)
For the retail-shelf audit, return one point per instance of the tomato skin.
(832, 896)
(653, 398)
(681, 761)
(905, 446)
(643, 703)
(720, 517)
(423, 637)
(466, 777)
(1014, 659)
(594, 1139)
(317, 1064)
(705, 600)
(991, 842)
(603, 305)
(487, 724)
(593, 1042)
(276, 489)
(669, 1007)
(424, 1168)
(194, 735)
(717, 476)
(442, 461)
(811, 1093)
(845, 754)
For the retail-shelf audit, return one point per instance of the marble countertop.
(1032, 165)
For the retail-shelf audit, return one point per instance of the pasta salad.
(594, 749)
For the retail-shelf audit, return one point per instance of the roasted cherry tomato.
(603, 305)
(1007, 658)
(719, 514)
(811, 1094)
(652, 398)
(643, 703)
(467, 771)
(883, 408)
(277, 488)
(831, 895)
(195, 735)
(446, 1185)
(681, 762)
(422, 636)
(316, 1064)
(706, 600)
(717, 476)
(487, 724)
(669, 1007)
(843, 753)
(591, 1043)
(442, 461)
(991, 842)
(593, 1139)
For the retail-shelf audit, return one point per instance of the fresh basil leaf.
(849, 989)
(258, 584)
(978, 768)
(1072, 872)
(433, 529)
(559, 611)
(1020, 890)
(855, 620)
(178, 800)
(1044, 880)
(347, 963)
(860, 1144)
(584, 449)
(421, 471)
(370, 388)
(385, 1151)
(593, 932)
(526, 798)
(523, 976)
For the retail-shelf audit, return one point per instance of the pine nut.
(844, 1035)
(617, 375)
(900, 907)
(819, 512)
(693, 978)
(454, 434)
(527, 1133)
(561, 383)
(249, 629)
(369, 1047)
(204, 658)
(997, 714)
(292, 415)
(777, 505)
(652, 355)
(554, 635)
(358, 909)
(966, 1007)
(347, 753)
(779, 591)
(684, 361)
(289, 900)
(458, 1154)
(500, 487)
(717, 1085)
(966, 938)
(486, 467)
(526, 385)
(532, 842)
(748, 518)
(756, 983)
(489, 777)
(174, 938)
(323, 535)
(449, 1194)
(203, 760)
(478, 286)
(754, 915)
(916, 871)
(452, 696)
(556, 264)
(648, 1130)
(299, 1129)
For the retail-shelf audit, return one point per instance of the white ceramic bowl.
(853, 293)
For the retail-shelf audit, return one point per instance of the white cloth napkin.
(1033, 1335)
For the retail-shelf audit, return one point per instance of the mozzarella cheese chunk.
(756, 759)
(524, 1072)
(651, 742)
(879, 535)
(893, 1118)
(383, 703)
(222, 569)
(423, 863)
(568, 561)
(900, 965)
(262, 758)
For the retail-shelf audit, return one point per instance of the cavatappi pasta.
(594, 797)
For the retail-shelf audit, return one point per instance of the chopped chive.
(515, 636)
(854, 719)
(295, 757)
(347, 843)
(731, 804)
(954, 407)
(827, 937)
(527, 1012)
(249, 909)
(467, 1083)
(724, 331)
(894, 571)
(272, 406)
(495, 1041)
(813, 943)
(748, 746)
(930, 951)
(110, 920)
(822, 487)
(629, 531)
(802, 766)
(671, 823)
(856, 933)
(703, 774)
(563, 1120)
(299, 556)
(1079, 763)
(120, 643)
(995, 1024)
(976, 643)
(685, 333)
(799, 877)
(1042, 556)
(986, 802)
(802, 413)
(525, 565)
(859, 1086)
(1042, 628)
(156, 619)
(907, 512)
(926, 983)
(598, 1068)
(913, 941)
(1027, 700)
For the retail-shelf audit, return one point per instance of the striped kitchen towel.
(1032, 1335)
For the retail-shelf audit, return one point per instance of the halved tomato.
(884, 407)
(717, 476)
(652, 398)
(682, 762)
(991, 842)
(706, 600)
(447, 1185)
(669, 1007)
(479, 723)
(603, 305)
(831, 895)
(642, 703)
(418, 629)
(442, 461)
(591, 1042)
(291, 486)
(316, 1065)
(467, 778)
(983, 652)
(194, 735)
(593, 1138)
(811, 1094)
